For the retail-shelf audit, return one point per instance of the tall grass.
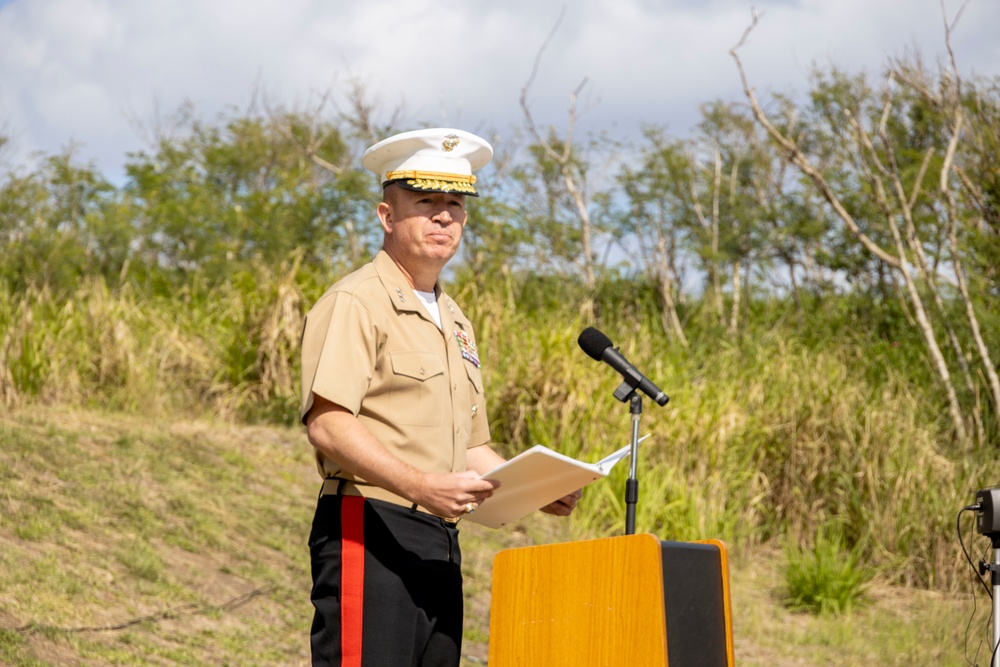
(826, 578)
(229, 351)
(766, 435)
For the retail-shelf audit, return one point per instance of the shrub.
(827, 578)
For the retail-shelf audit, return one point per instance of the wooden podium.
(630, 600)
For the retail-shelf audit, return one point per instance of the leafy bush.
(827, 578)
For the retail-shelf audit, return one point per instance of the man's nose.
(443, 216)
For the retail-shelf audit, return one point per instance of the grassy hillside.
(186, 538)
(127, 540)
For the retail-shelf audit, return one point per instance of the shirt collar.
(399, 289)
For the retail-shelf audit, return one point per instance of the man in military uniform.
(392, 397)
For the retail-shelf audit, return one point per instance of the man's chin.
(442, 252)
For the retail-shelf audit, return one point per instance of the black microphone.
(599, 346)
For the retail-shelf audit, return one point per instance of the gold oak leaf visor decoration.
(429, 181)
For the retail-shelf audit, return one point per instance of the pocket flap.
(416, 364)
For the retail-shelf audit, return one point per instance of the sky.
(97, 74)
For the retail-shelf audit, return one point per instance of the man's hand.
(454, 493)
(565, 505)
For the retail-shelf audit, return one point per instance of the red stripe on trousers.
(352, 578)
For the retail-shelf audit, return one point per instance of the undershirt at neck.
(429, 299)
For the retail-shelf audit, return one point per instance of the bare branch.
(564, 159)
(796, 157)
(755, 16)
(951, 207)
(948, 29)
(360, 115)
(918, 83)
(886, 107)
(920, 176)
(972, 189)
(531, 79)
(571, 124)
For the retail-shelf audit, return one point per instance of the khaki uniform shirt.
(371, 347)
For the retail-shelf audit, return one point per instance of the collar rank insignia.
(467, 347)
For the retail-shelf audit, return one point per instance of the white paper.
(535, 478)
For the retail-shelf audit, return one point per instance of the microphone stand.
(626, 392)
(632, 483)
(994, 570)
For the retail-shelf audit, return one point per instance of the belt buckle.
(452, 520)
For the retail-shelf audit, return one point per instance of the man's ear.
(384, 212)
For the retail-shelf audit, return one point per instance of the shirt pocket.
(419, 394)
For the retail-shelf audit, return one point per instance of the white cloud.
(77, 69)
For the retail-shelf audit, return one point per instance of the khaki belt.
(334, 486)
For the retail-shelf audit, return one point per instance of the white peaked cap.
(438, 159)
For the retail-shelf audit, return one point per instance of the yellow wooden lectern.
(630, 600)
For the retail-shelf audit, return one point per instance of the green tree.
(225, 195)
(60, 222)
(737, 189)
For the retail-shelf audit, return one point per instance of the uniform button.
(421, 371)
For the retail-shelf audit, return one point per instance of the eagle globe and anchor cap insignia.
(450, 142)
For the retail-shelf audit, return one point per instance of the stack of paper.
(535, 478)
